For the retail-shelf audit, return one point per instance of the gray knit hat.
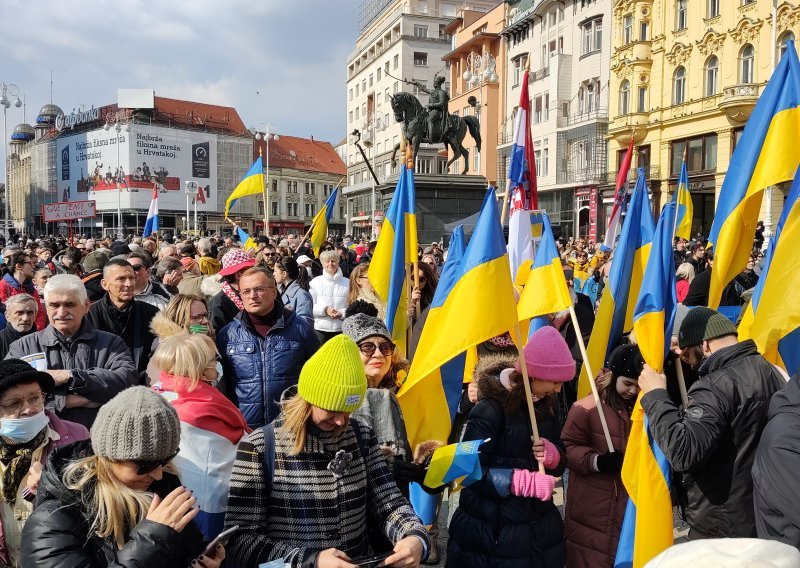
(139, 425)
(703, 324)
(360, 326)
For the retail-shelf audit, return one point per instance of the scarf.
(232, 295)
(17, 459)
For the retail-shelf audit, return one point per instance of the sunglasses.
(368, 348)
(137, 267)
(146, 467)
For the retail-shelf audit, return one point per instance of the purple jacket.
(69, 432)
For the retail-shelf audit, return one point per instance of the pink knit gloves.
(551, 454)
(526, 483)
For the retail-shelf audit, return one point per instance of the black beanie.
(702, 324)
(15, 371)
(626, 361)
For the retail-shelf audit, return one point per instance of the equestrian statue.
(432, 124)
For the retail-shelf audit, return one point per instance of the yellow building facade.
(685, 76)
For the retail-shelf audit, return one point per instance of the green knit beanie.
(702, 324)
(334, 378)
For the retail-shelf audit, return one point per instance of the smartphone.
(371, 561)
(222, 538)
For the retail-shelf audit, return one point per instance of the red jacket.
(9, 286)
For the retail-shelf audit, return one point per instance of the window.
(423, 166)
(396, 87)
(788, 36)
(747, 64)
(442, 33)
(592, 36)
(537, 111)
(420, 59)
(422, 6)
(679, 86)
(416, 89)
(587, 39)
(357, 87)
(581, 100)
(592, 96)
(350, 95)
(476, 160)
(448, 10)
(350, 116)
(292, 187)
(420, 31)
(712, 76)
(545, 171)
(395, 61)
(642, 101)
(519, 66)
(627, 29)
(598, 35)
(371, 77)
(386, 66)
(701, 154)
(364, 86)
(358, 112)
(625, 97)
(274, 208)
(681, 15)
(644, 31)
(713, 9)
(537, 155)
(546, 109)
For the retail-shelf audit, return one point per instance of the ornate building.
(685, 77)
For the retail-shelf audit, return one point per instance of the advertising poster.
(92, 165)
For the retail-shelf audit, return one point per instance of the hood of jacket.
(487, 375)
(786, 400)
(727, 356)
(211, 285)
(52, 485)
(164, 327)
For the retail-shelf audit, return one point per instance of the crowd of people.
(155, 394)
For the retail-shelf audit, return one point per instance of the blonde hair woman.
(683, 277)
(329, 295)
(115, 500)
(211, 425)
(361, 289)
(320, 522)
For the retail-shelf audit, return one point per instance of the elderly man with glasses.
(263, 349)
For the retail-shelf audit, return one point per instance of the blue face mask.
(216, 381)
(22, 430)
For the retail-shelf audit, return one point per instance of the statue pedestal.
(440, 199)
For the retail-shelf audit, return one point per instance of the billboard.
(93, 164)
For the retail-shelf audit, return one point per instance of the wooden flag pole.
(308, 234)
(682, 383)
(591, 375)
(528, 394)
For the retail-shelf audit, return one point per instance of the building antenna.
(51, 86)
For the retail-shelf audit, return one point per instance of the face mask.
(23, 430)
(198, 328)
(216, 381)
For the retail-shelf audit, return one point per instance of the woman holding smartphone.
(116, 501)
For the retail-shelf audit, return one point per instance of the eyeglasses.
(368, 348)
(137, 267)
(422, 280)
(254, 291)
(146, 467)
(15, 405)
(199, 318)
(213, 363)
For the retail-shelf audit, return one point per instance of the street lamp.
(119, 122)
(373, 122)
(269, 134)
(9, 91)
(480, 69)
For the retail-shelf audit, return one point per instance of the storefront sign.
(74, 119)
(68, 211)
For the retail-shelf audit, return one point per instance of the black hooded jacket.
(57, 534)
(776, 492)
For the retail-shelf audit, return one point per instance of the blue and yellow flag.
(685, 208)
(647, 527)
(460, 317)
(455, 462)
(246, 240)
(615, 313)
(546, 288)
(770, 320)
(320, 222)
(765, 156)
(397, 245)
(252, 183)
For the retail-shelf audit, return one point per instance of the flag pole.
(308, 234)
(682, 383)
(528, 394)
(678, 365)
(600, 412)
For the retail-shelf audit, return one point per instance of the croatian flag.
(151, 225)
(520, 240)
(620, 196)
(211, 429)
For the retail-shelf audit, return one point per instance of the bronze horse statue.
(408, 110)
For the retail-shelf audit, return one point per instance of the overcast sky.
(276, 61)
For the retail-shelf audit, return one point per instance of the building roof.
(302, 154)
(199, 115)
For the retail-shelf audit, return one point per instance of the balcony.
(739, 101)
(538, 75)
(649, 173)
(600, 114)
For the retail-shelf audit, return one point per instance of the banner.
(68, 211)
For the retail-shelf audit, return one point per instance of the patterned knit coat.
(309, 508)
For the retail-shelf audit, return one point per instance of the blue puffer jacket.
(299, 300)
(258, 369)
(492, 528)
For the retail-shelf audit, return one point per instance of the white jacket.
(329, 292)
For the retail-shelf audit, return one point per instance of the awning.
(361, 218)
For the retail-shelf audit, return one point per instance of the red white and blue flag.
(521, 186)
(619, 198)
(151, 225)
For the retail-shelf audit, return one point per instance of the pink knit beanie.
(547, 357)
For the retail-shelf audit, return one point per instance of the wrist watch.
(75, 382)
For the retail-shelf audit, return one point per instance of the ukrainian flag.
(546, 288)
(685, 208)
(252, 183)
(397, 245)
(769, 320)
(473, 304)
(615, 313)
(456, 462)
(246, 240)
(429, 405)
(320, 222)
(647, 527)
(766, 155)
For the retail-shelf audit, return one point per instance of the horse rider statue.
(437, 108)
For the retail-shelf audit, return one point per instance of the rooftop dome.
(48, 114)
(23, 133)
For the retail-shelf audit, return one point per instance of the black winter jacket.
(714, 443)
(776, 492)
(491, 527)
(57, 534)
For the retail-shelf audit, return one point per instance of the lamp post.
(768, 192)
(269, 134)
(481, 69)
(373, 123)
(120, 123)
(9, 91)
(356, 134)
